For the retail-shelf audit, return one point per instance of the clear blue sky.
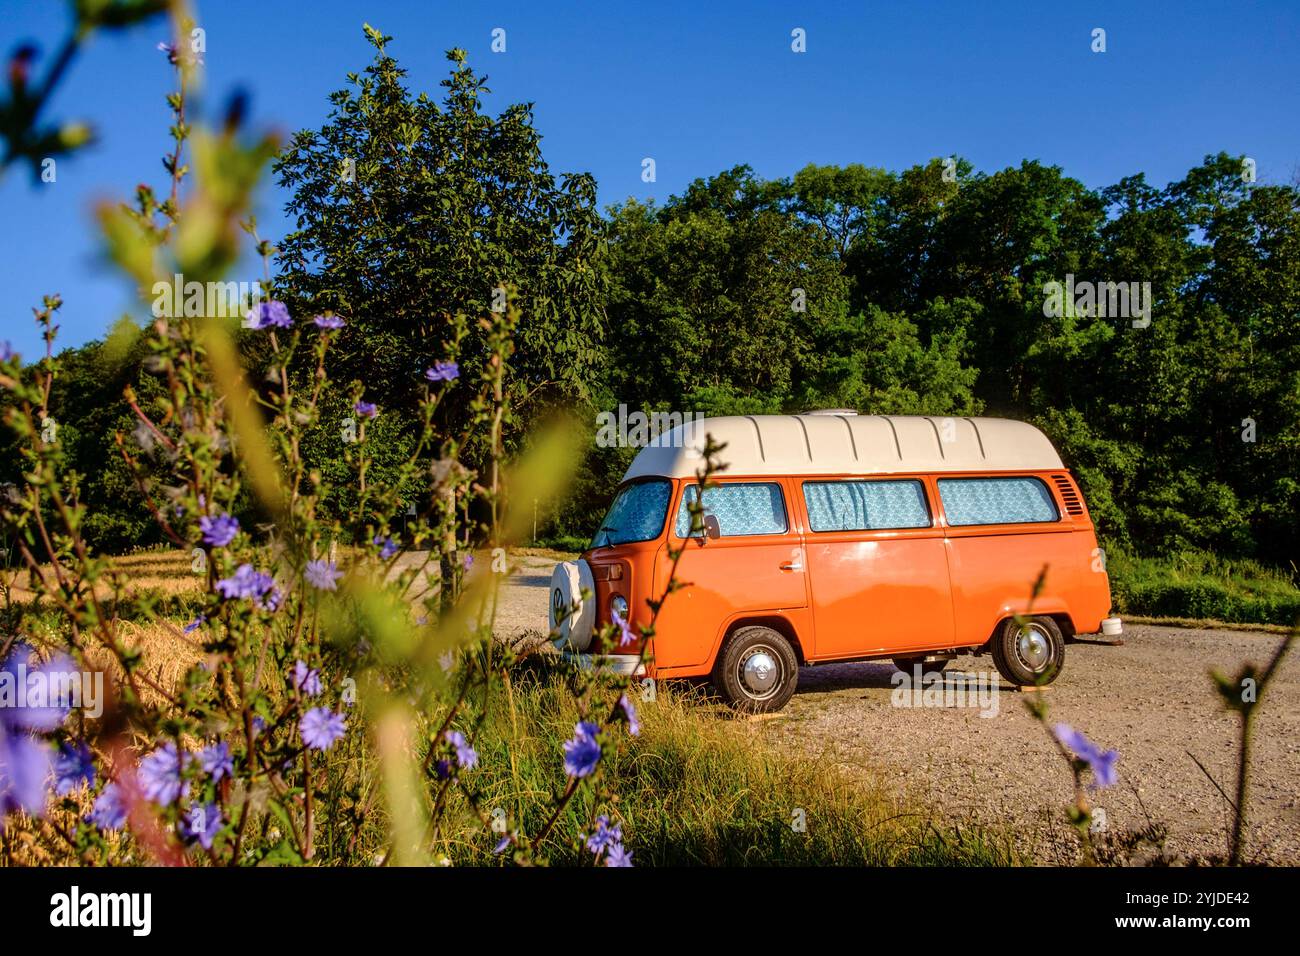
(698, 86)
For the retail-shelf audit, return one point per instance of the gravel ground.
(1150, 698)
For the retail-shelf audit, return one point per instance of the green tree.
(717, 297)
(410, 212)
(847, 203)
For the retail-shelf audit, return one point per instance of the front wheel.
(757, 671)
(1029, 654)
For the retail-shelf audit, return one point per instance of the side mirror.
(711, 527)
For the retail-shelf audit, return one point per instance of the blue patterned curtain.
(637, 514)
(865, 505)
(996, 501)
(739, 508)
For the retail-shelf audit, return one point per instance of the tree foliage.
(410, 212)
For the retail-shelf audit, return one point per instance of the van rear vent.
(1073, 505)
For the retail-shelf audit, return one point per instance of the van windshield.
(637, 514)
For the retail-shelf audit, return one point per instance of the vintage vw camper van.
(841, 537)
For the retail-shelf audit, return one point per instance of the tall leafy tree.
(409, 212)
(848, 203)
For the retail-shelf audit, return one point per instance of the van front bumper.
(626, 664)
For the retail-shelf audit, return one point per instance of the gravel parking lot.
(1151, 699)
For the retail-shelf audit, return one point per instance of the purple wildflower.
(1102, 763)
(329, 321)
(39, 706)
(306, 679)
(273, 314)
(365, 409)
(387, 547)
(443, 372)
(469, 561)
(246, 582)
(442, 768)
(271, 601)
(501, 846)
(322, 574)
(604, 836)
(216, 761)
(582, 753)
(72, 767)
(24, 770)
(160, 775)
(321, 727)
(109, 811)
(6, 351)
(194, 625)
(618, 855)
(201, 824)
(466, 758)
(625, 629)
(629, 712)
(219, 531)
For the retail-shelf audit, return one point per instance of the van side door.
(753, 565)
(877, 566)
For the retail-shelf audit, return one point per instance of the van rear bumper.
(626, 664)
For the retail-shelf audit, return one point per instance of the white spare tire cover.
(572, 631)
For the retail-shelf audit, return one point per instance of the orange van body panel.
(992, 568)
(876, 592)
(635, 563)
(843, 595)
(726, 578)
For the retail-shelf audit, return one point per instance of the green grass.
(563, 542)
(1202, 586)
(699, 787)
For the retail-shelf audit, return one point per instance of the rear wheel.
(1029, 654)
(757, 670)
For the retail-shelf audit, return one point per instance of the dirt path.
(1151, 699)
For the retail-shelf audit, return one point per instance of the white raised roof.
(844, 444)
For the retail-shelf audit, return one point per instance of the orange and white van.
(841, 537)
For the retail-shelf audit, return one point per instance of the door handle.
(792, 566)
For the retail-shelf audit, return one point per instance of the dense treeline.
(927, 290)
(927, 293)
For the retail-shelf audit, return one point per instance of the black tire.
(905, 664)
(730, 676)
(1038, 660)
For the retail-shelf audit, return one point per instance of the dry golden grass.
(169, 571)
(163, 572)
(166, 572)
(168, 654)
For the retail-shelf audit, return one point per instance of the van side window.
(865, 505)
(1010, 500)
(741, 508)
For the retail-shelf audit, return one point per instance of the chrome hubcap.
(1033, 647)
(760, 672)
